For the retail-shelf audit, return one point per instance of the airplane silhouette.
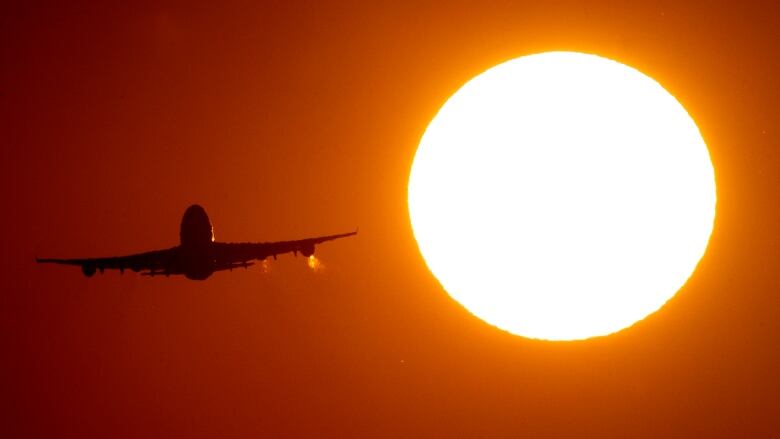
(198, 255)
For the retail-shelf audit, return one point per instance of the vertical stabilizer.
(196, 230)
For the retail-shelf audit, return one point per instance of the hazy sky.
(293, 120)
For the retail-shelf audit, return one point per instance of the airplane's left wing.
(156, 262)
(229, 253)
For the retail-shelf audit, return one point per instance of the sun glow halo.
(562, 196)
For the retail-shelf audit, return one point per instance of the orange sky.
(286, 121)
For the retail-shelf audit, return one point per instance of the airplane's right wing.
(158, 261)
(228, 254)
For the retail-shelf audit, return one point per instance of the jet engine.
(307, 250)
(88, 270)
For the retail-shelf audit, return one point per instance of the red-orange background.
(292, 120)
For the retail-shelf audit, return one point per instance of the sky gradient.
(293, 120)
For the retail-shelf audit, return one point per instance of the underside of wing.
(236, 253)
(156, 262)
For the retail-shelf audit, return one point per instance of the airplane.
(197, 256)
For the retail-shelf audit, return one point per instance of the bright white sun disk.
(562, 196)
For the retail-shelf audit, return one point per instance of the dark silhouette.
(198, 256)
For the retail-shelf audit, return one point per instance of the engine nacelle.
(307, 250)
(88, 270)
(199, 273)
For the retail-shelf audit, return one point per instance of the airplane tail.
(196, 229)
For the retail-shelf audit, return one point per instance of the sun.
(562, 196)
